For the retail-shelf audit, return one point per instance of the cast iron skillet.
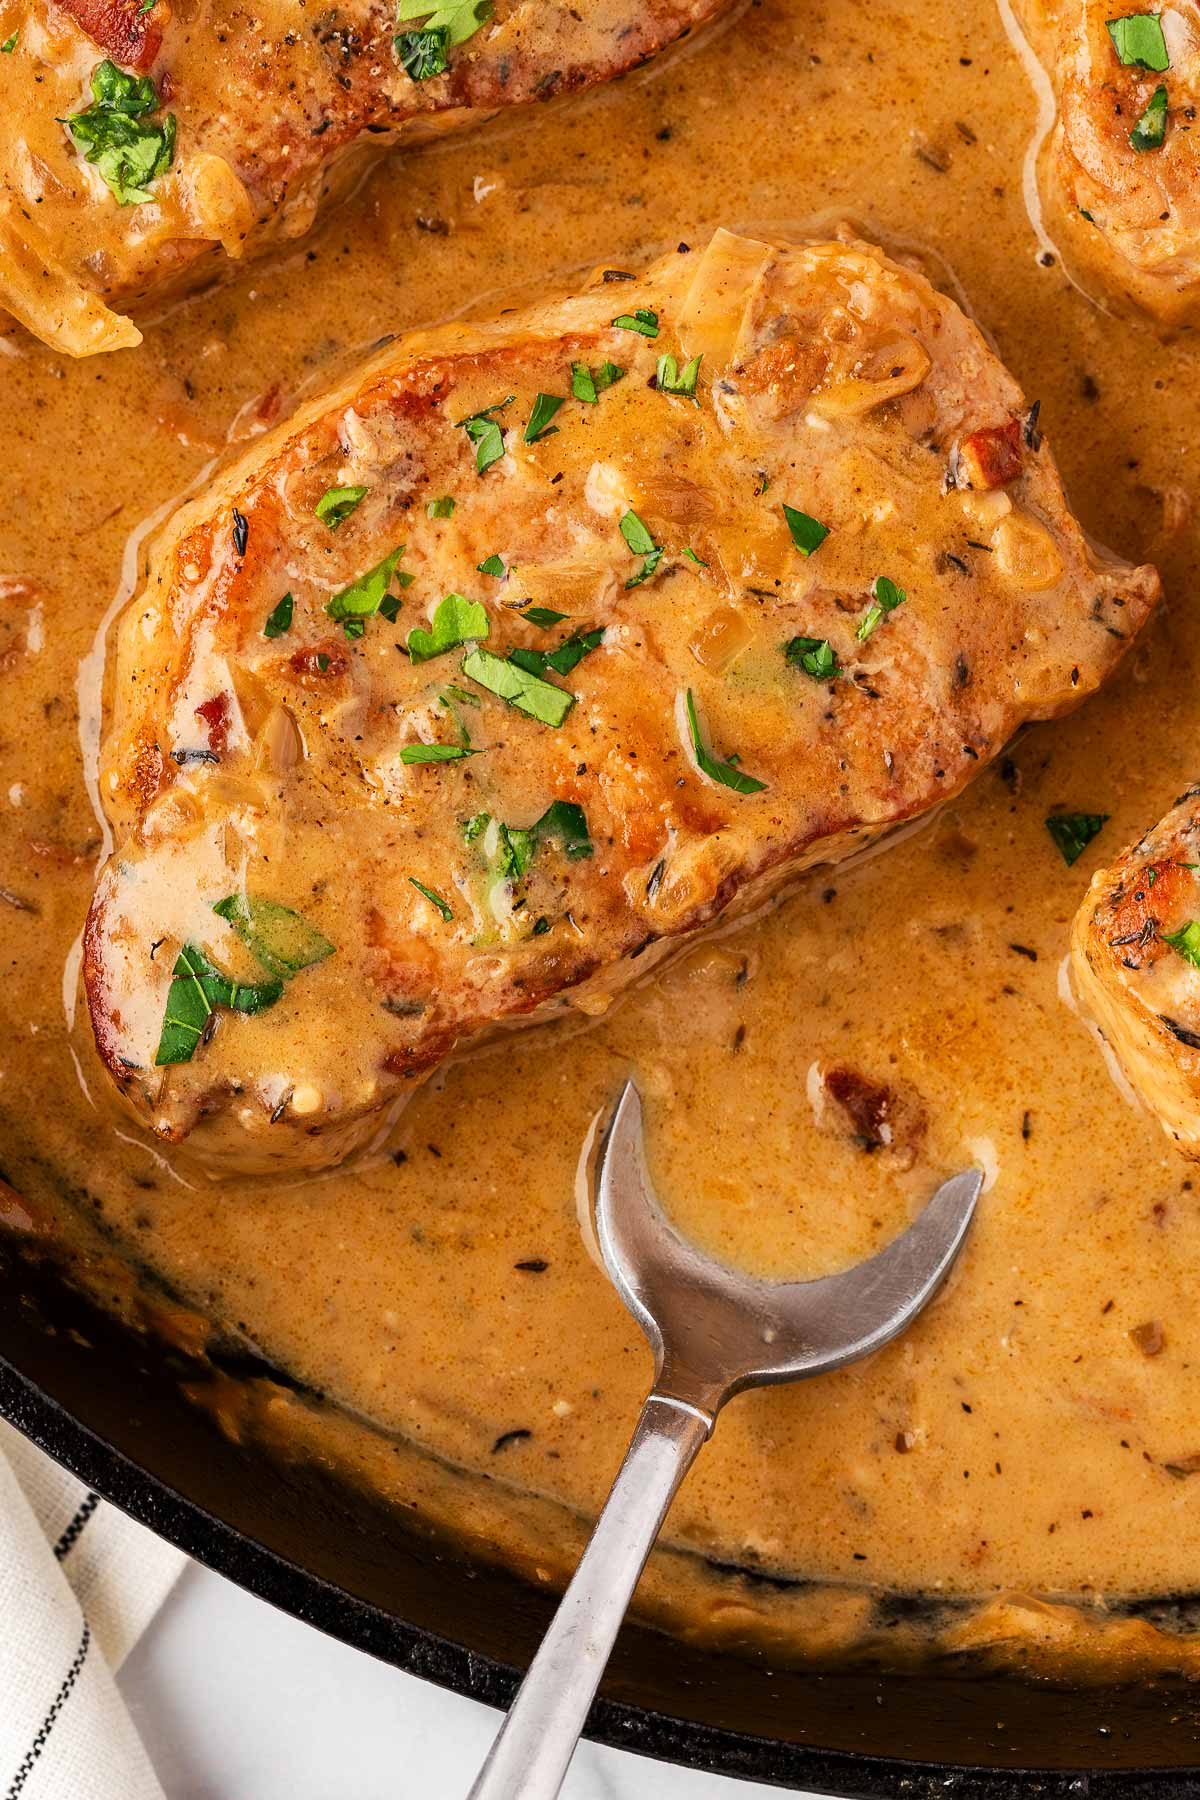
(107, 1403)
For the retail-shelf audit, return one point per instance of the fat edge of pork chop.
(1135, 961)
(271, 113)
(668, 646)
(1121, 166)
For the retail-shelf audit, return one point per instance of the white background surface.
(236, 1701)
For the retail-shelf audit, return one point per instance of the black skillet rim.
(418, 1651)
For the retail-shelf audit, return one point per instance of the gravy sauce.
(441, 1295)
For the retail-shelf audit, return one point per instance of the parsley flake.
(485, 433)
(197, 988)
(816, 656)
(808, 534)
(671, 379)
(723, 772)
(1139, 42)
(544, 408)
(885, 598)
(281, 940)
(336, 504)
(1186, 942)
(442, 508)
(516, 845)
(436, 753)
(456, 620)
(279, 619)
(519, 687)
(366, 595)
(112, 134)
(643, 321)
(492, 565)
(433, 898)
(1073, 832)
(636, 535)
(562, 660)
(422, 52)
(1151, 128)
(588, 384)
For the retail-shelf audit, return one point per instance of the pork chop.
(1122, 163)
(146, 146)
(535, 647)
(1135, 958)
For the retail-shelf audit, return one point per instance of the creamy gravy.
(397, 1289)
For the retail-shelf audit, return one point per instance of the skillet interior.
(107, 1403)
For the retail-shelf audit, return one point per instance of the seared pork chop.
(144, 146)
(1135, 958)
(1122, 164)
(505, 668)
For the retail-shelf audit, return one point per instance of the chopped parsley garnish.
(693, 558)
(486, 435)
(885, 598)
(280, 939)
(112, 134)
(518, 686)
(1186, 942)
(1139, 42)
(10, 44)
(563, 659)
(451, 692)
(492, 565)
(516, 846)
(544, 408)
(436, 753)
(671, 379)
(588, 384)
(644, 322)
(279, 619)
(808, 534)
(433, 898)
(816, 656)
(442, 508)
(641, 544)
(544, 616)
(723, 772)
(1151, 128)
(367, 595)
(1073, 832)
(456, 620)
(564, 821)
(422, 53)
(197, 989)
(336, 504)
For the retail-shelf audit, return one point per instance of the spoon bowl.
(713, 1331)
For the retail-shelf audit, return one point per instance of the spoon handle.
(537, 1740)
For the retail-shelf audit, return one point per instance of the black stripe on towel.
(69, 1536)
(48, 1723)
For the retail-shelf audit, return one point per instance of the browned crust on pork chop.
(1141, 989)
(276, 113)
(1129, 218)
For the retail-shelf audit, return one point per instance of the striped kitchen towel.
(79, 1583)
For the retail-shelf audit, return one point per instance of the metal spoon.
(713, 1332)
